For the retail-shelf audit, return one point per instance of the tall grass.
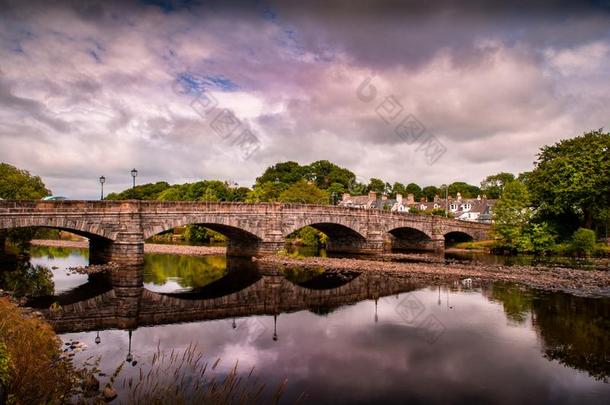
(36, 372)
(185, 377)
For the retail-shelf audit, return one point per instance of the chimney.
(459, 196)
(423, 199)
(372, 195)
(479, 197)
(410, 199)
(399, 198)
(436, 198)
(384, 196)
(485, 196)
(346, 196)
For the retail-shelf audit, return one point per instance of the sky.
(425, 92)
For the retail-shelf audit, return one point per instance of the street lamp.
(102, 181)
(134, 173)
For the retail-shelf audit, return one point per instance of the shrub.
(30, 352)
(583, 242)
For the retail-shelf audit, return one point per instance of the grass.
(475, 245)
(32, 370)
(185, 377)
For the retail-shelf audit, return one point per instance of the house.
(465, 209)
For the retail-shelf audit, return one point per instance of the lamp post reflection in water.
(275, 328)
(98, 340)
(129, 358)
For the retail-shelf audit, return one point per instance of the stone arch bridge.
(117, 229)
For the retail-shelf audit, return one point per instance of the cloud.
(90, 88)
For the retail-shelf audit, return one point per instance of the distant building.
(465, 209)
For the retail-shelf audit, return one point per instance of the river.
(346, 337)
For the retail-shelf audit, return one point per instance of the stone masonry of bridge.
(117, 229)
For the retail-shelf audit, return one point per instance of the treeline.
(320, 182)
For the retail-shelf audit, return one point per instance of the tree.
(377, 185)
(16, 184)
(304, 192)
(283, 172)
(266, 192)
(416, 190)
(493, 185)
(512, 215)
(570, 182)
(325, 174)
(398, 188)
(430, 192)
(466, 190)
(150, 191)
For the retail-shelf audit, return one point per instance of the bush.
(583, 242)
(30, 365)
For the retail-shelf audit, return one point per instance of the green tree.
(416, 190)
(430, 192)
(377, 185)
(150, 191)
(17, 184)
(512, 215)
(304, 192)
(398, 188)
(283, 172)
(266, 192)
(465, 189)
(325, 174)
(493, 185)
(570, 182)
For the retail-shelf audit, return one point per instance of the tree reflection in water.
(575, 331)
(28, 280)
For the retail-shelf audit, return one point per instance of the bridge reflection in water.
(247, 289)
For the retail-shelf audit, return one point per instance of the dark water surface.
(349, 337)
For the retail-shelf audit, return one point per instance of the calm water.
(343, 337)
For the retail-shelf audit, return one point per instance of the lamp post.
(102, 181)
(134, 173)
(446, 201)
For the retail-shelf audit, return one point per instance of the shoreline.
(589, 283)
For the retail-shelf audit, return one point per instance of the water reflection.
(347, 337)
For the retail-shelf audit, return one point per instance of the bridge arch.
(230, 227)
(82, 228)
(454, 237)
(408, 238)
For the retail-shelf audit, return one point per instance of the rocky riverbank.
(592, 283)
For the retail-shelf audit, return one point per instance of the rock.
(109, 394)
(91, 383)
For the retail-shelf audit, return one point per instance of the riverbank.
(148, 247)
(591, 283)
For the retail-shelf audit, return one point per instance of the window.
(436, 206)
(466, 207)
(453, 207)
(423, 207)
